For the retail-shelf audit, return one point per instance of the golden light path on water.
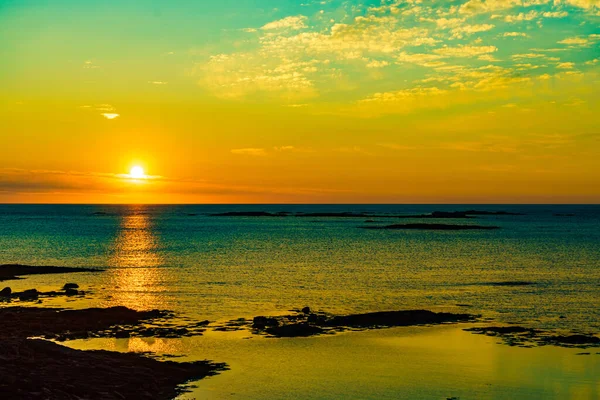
(135, 271)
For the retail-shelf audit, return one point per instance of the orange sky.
(475, 101)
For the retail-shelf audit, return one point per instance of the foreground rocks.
(14, 271)
(6, 294)
(115, 322)
(37, 369)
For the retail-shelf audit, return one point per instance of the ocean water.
(184, 259)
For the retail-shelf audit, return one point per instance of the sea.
(186, 259)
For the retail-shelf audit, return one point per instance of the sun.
(137, 172)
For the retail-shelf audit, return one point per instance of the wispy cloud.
(256, 152)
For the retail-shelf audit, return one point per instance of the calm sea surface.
(184, 259)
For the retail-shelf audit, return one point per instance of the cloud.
(515, 34)
(341, 51)
(465, 51)
(590, 5)
(486, 6)
(419, 58)
(377, 64)
(479, 147)
(352, 150)
(111, 187)
(531, 15)
(106, 110)
(295, 23)
(555, 14)
(579, 41)
(565, 65)
(398, 147)
(461, 31)
(250, 152)
(575, 41)
(242, 74)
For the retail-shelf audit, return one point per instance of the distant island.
(434, 215)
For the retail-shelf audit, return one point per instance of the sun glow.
(137, 172)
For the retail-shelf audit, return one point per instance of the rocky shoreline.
(15, 271)
(40, 369)
(31, 368)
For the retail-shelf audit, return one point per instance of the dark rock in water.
(306, 310)
(575, 340)
(397, 318)
(99, 213)
(511, 283)
(334, 215)
(294, 330)
(502, 330)
(446, 214)
(528, 337)
(305, 324)
(70, 286)
(122, 335)
(13, 271)
(71, 292)
(263, 322)
(316, 319)
(6, 292)
(433, 227)
(249, 214)
(479, 212)
(31, 294)
(369, 221)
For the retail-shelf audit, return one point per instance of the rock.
(396, 318)
(71, 292)
(445, 214)
(306, 310)
(510, 283)
(31, 294)
(316, 319)
(246, 214)
(432, 227)
(5, 292)
(122, 335)
(70, 286)
(502, 330)
(575, 340)
(263, 322)
(294, 330)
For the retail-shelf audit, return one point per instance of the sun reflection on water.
(137, 277)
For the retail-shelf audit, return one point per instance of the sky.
(280, 101)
